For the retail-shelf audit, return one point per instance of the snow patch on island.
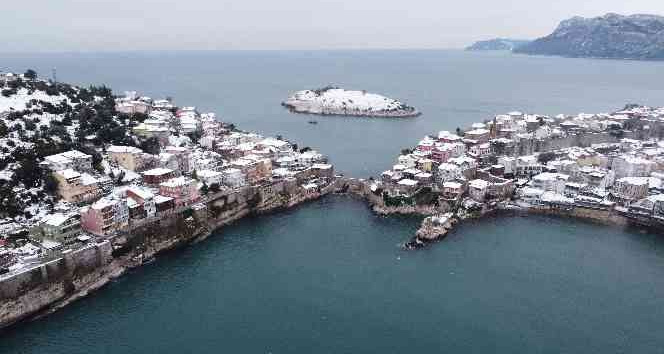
(338, 101)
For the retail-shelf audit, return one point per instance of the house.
(163, 204)
(452, 190)
(182, 155)
(233, 177)
(72, 159)
(425, 164)
(282, 147)
(105, 216)
(481, 150)
(183, 189)
(509, 164)
(59, 227)
(407, 186)
(448, 172)
(631, 188)
(480, 135)
(323, 170)
(75, 187)
(143, 197)
(210, 177)
(625, 166)
(128, 157)
(445, 136)
(528, 166)
(548, 181)
(477, 189)
(156, 176)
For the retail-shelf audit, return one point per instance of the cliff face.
(497, 44)
(57, 283)
(609, 36)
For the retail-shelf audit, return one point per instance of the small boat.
(313, 122)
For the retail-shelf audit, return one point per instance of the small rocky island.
(337, 101)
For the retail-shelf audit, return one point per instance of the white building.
(210, 177)
(631, 188)
(554, 182)
(72, 159)
(477, 189)
(233, 177)
(631, 166)
(448, 172)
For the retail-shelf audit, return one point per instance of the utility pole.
(55, 77)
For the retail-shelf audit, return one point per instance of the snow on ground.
(19, 100)
(340, 100)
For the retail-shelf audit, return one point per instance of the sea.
(330, 276)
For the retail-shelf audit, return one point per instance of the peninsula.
(337, 101)
(603, 167)
(93, 184)
(611, 36)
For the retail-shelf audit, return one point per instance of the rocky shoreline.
(334, 101)
(39, 295)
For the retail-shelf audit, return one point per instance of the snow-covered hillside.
(331, 100)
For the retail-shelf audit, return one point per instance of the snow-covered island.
(337, 101)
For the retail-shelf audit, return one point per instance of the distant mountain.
(609, 36)
(497, 44)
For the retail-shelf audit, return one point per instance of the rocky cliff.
(609, 36)
(54, 284)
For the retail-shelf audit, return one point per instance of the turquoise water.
(329, 276)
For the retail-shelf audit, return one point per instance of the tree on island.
(151, 146)
(30, 74)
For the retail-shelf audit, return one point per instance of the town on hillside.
(612, 163)
(79, 165)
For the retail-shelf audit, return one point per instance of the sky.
(115, 25)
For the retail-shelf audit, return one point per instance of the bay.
(329, 276)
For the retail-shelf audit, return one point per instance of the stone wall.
(37, 288)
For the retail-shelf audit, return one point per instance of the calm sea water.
(451, 88)
(329, 276)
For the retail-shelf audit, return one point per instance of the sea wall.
(54, 284)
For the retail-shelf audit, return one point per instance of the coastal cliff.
(52, 285)
(609, 36)
(336, 101)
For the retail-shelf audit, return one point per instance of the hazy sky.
(73, 25)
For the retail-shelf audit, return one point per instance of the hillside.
(39, 118)
(609, 36)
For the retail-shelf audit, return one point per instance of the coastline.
(353, 113)
(126, 252)
(54, 295)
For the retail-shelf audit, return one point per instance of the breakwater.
(51, 285)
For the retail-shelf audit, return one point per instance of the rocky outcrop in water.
(609, 36)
